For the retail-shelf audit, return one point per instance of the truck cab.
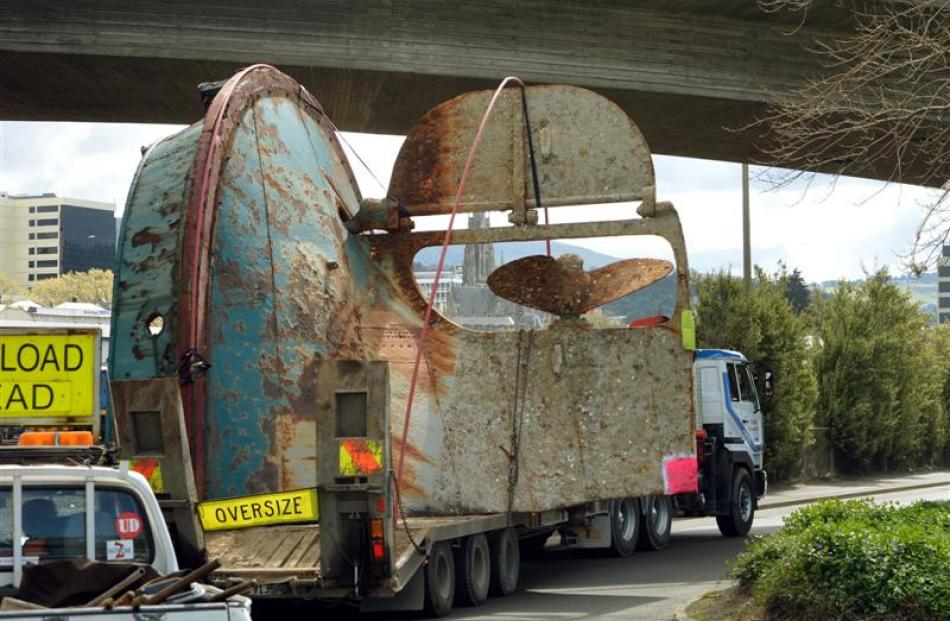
(730, 439)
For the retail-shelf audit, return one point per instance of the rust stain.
(419, 172)
(146, 236)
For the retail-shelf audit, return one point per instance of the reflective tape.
(360, 457)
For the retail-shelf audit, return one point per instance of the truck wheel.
(506, 562)
(440, 581)
(624, 525)
(657, 521)
(738, 521)
(473, 571)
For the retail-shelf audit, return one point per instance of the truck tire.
(440, 580)
(738, 521)
(472, 571)
(656, 523)
(506, 562)
(624, 525)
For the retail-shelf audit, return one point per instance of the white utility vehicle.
(57, 512)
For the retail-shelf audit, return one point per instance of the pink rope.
(424, 333)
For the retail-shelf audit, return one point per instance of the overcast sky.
(859, 225)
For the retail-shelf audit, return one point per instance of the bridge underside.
(689, 72)
(136, 90)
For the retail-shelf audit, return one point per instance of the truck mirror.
(765, 377)
(769, 382)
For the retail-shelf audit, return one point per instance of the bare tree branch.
(881, 102)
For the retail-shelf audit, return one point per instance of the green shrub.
(853, 560)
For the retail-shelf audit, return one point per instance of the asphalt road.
(565, 585)
(650, 586)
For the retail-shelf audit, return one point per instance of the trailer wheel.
(738, 521)
(506, 562)
(624, 525)
(473, 571)
(656, 524)
(440, 581)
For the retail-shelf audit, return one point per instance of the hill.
(510, 251)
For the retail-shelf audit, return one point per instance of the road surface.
(566, 585)
(563, 585)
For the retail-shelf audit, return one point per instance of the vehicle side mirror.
(768, 381)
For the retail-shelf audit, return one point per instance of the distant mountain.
(509, 251)
(923, 289)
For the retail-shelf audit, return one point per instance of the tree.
(881, 103)
(797, 291)
(94, 286)
(941, 348)
(10, 289)
(763, 325)
(881, 378)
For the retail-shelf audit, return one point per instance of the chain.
(522, 363)
(402, 514)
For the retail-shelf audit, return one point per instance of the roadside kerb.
(852, 494)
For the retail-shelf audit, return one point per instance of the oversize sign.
(260, 510)
(49, 375)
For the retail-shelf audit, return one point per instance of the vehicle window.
(122, 531)
(54, 522)
(750, 382)
(54, 525)
(733, 382)
(6, 523)
(745, 387)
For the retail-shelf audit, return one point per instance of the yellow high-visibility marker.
(292, 507)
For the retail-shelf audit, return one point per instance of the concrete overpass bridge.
(685, 70)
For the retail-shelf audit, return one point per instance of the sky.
(837, 229)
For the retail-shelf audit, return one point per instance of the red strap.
(424, 333)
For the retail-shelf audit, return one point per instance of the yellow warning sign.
(360, 457)
(49, 374)
(260, 510)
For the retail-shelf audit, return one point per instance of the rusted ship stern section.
(254, 277)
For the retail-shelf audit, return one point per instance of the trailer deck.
(286, 559)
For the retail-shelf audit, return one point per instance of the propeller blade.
(562, 287)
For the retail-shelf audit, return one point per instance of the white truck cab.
(730, 440)
(95, 512)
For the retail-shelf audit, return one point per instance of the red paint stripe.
(196, 245)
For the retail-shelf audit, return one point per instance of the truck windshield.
(54, 525)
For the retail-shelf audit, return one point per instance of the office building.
(43, 236)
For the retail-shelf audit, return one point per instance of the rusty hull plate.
(587, 151)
